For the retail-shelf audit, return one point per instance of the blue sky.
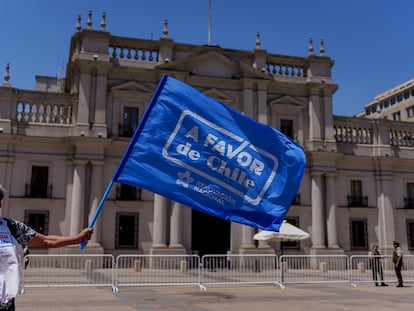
(370, 41)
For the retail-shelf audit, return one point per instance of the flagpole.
(98, 210)
(209, 22)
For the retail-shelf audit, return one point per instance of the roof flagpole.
(209, 22)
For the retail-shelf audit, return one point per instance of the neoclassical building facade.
(61, 144)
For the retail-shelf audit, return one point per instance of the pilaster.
(159, 224)
(318, 220)
(176, 227)
(331, 211)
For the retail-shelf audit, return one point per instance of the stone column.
(84, 95)
(300, 128)
(101, 86)
(262, 103)
(92, 96)
(264, 246)
(247, 239)
(160, 222)
(386, 225)
(100, 106)
(176, 226)
(6, 181)
(331, 207)
(247, 96)
(318, 221)
(328, 120)
(315, 125)
(69, 190)
(78, 197)
(95, 198)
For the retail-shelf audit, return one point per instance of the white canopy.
(287, 232)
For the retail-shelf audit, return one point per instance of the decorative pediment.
(211, 64)
(131, 86)
(214, 64)
(287, 102)
(220, 96)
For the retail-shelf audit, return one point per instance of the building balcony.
(409, 203)
(128, 193)
(125, 131)
(38, 191)
(357, 201)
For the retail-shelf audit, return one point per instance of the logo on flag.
(233, 162)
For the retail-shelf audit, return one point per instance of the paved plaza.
(311, 297)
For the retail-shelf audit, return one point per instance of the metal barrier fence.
(161, 270)
(313, 269)
(69, 270)
(146, 270)
(239, 269)
(364, 268)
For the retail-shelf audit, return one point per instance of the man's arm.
(55, 241)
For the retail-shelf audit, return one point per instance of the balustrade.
(286, 66)
(350, 131)
(43, 112)
(133, 49)
(285, 70)
(353, 134)
(133, 53)
(403, 138)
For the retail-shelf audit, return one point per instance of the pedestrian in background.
(397, 259)
(376, 265)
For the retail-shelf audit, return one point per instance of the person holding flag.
(12, 233)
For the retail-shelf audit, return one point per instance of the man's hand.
(86, 233)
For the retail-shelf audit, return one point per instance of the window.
(128, 193)
(126, 234)
(358, 234)
(291, 244)
(410, 111)
(296, 199)
(129, 122)
(38, 220)
(399, 97)
(386, 103)
(396, 116)
(355, 199)
(406, 94)
(409, 200)
(286, 127)
(410, 233)
(38, 187)
(356, 188)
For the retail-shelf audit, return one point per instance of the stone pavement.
(313, 297)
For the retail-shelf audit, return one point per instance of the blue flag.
(200, 152)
